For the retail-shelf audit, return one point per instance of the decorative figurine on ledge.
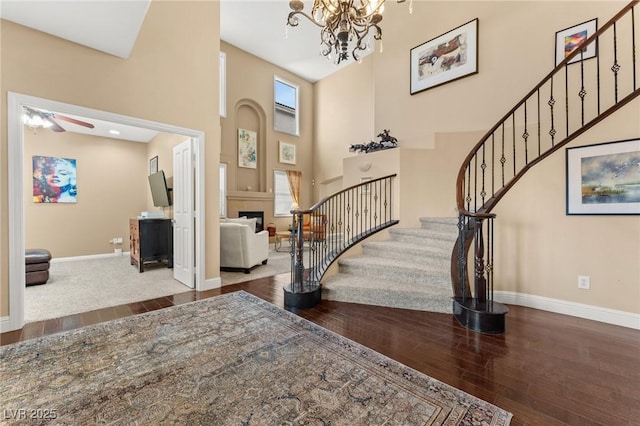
(386, 141)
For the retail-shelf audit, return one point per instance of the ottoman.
(36, 266)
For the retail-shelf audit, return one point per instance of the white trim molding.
(211, 283)
(595, 313)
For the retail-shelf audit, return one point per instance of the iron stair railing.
(575, 96)
(334, 225)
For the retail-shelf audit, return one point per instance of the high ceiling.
(256, 26)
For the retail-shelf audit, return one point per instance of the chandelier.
(343, 22)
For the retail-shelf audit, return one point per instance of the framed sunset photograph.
(569, 39)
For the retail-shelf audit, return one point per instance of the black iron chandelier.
(343, 22)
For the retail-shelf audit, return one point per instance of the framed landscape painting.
(448, 57)
(247, 149)
(604, 178)
(287, 153)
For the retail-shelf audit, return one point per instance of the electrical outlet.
(584, 282)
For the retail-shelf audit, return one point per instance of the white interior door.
(183, 224)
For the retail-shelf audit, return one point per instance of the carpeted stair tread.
(402, 250)
(380, 292)
(409, 271)
(438, 234)
(439, 221)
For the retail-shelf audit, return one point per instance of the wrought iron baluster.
(483, 166)
(551, 103)
(525, 136)
(583, 92)
(566, 98)
(468, 187)
(616, 66)
(475, 182)
(503, 159)
(489, 267)
(493, 164)
(633, 46)
(513, 139)
(539, 125)
(480, 282)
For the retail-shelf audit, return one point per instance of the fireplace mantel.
(249, 195)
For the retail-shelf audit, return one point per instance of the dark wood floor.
(547, 369)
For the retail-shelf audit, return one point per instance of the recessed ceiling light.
(114, 132)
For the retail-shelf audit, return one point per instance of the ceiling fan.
(35, 118)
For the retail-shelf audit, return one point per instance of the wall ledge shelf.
(249, 195)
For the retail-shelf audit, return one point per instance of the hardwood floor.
(547, 369)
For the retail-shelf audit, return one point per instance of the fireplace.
(259, 218)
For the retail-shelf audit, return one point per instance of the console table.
(150, 240)
(280, 236)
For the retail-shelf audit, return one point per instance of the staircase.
(411, 270)
(575, 96)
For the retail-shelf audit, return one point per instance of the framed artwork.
(448, 57)
(287, 153)
(604, 178)
(153, 165)
(54, 180)
(568, 39)
(247, 149)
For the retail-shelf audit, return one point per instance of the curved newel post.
(298, 247)
(300, 293)
(480, 281)
(477, 310)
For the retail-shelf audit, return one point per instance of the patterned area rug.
(229, 360)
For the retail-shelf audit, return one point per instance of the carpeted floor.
(232, 359)
(86, 285)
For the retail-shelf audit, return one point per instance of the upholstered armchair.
(241, 247)
(314, 226)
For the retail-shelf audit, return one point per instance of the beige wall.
(112, 188)
(540, 250)
(344, 112)
(171, 77)
(250, 106)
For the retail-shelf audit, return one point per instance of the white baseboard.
(5, 325)
(210, 284)
(596, 313)
(87, 257)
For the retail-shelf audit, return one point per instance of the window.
(223, 190)
(282, 198)
(285, 107)
(223, 84)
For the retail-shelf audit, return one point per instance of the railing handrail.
(577, 51)
(335, 194)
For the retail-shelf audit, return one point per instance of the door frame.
(15, 184)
